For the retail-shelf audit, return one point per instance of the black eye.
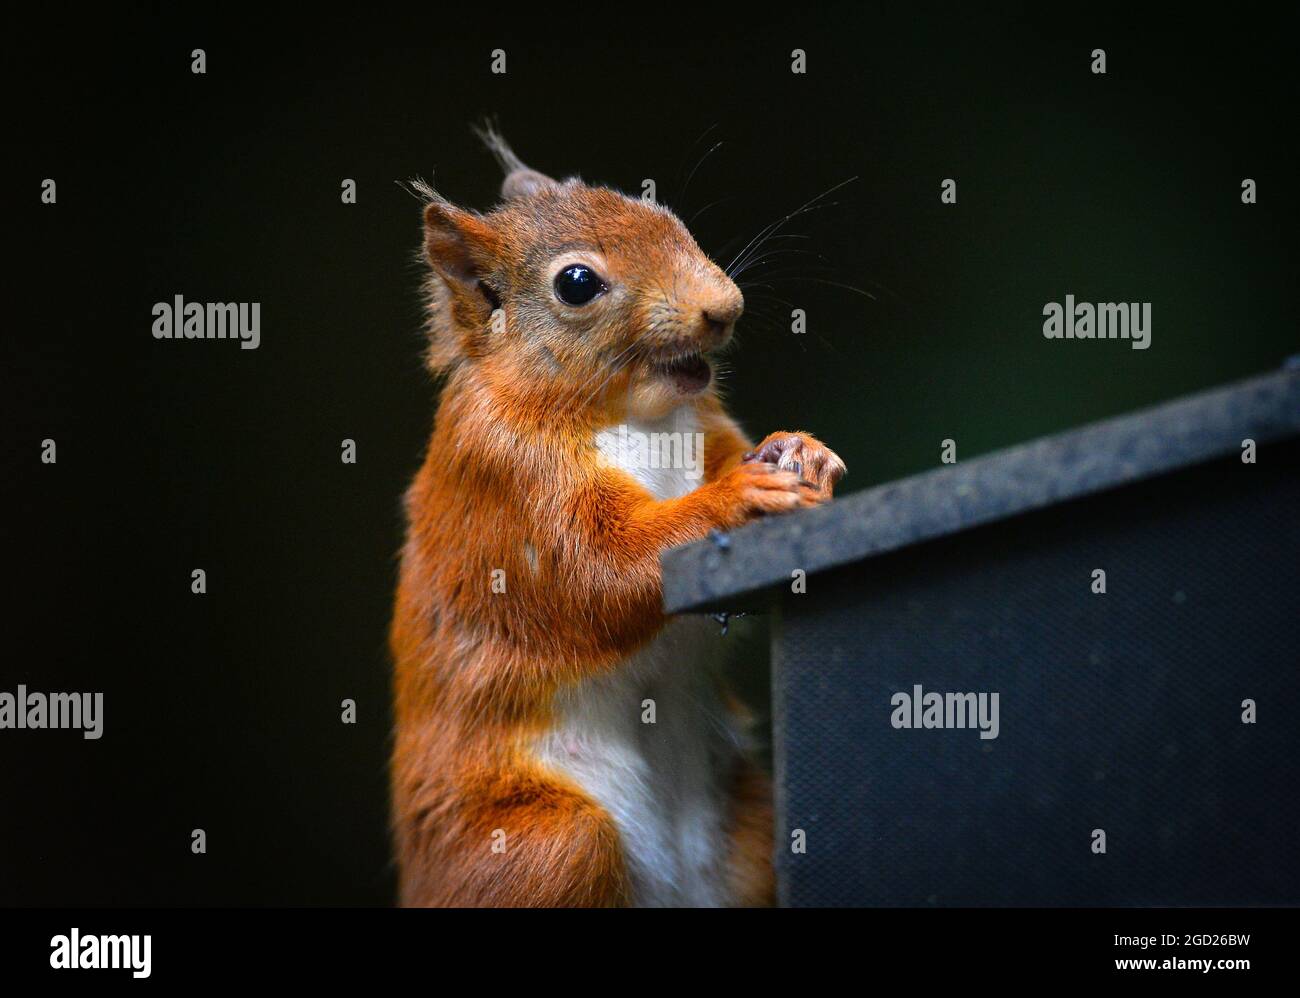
(577, 285)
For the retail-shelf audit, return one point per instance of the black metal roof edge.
(1068, 465)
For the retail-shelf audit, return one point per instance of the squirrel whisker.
(774, 227)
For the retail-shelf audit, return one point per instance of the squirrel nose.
(721, 314)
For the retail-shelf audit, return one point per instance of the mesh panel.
(1119, 712)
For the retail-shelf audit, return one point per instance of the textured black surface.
(1081, 462)
(1119, 711)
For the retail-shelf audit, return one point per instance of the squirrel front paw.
(803, 454)
(759, 487)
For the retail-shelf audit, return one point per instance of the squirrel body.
(558, 740)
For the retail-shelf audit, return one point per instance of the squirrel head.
(586, 296)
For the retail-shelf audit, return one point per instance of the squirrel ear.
(523, 182)
(463, 248)
(458, 243)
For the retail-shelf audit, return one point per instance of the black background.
(222, 711)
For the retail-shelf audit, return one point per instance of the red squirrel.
(528, 635)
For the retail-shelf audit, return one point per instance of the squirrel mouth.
(690, 373)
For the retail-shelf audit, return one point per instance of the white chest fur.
(665, 455)
(663, 783)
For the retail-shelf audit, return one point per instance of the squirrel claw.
(817, 465)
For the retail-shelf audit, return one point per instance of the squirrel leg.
(517, 840)
(634, 528)
(746, 491)
(749, 869)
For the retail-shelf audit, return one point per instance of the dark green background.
(222, 711)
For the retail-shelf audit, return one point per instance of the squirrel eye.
(578, 284)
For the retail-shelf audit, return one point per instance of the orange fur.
(511, 481)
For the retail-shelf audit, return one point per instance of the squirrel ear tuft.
(520, 181)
